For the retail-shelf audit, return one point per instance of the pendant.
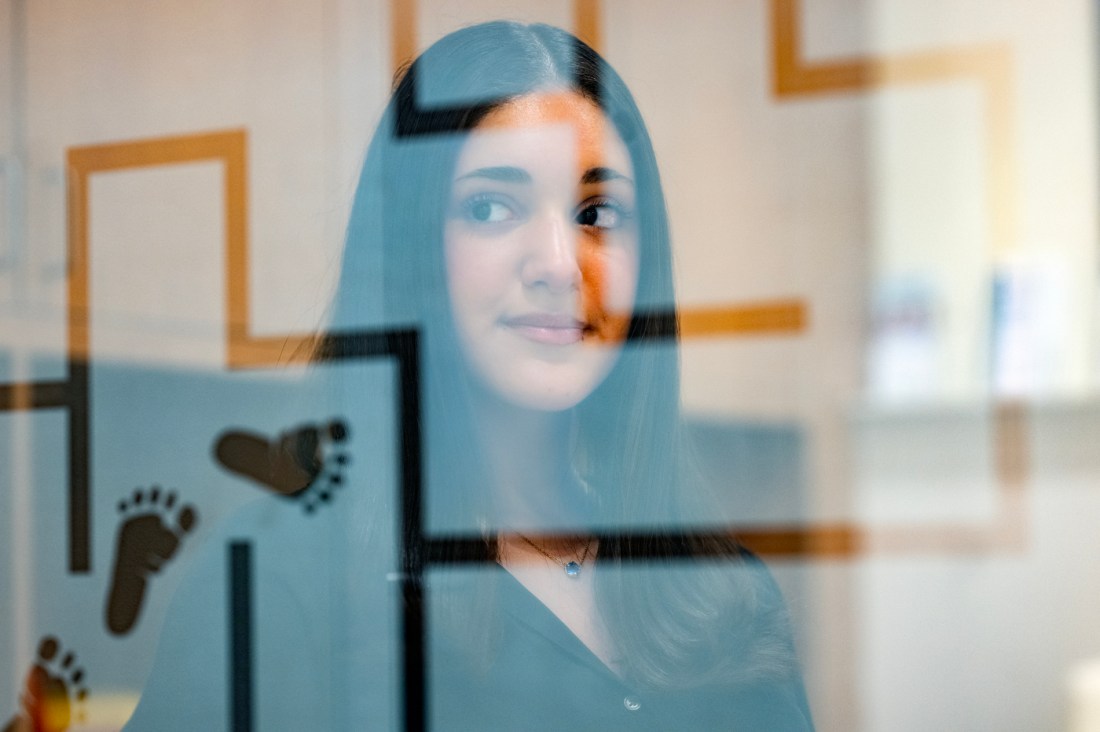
(573, 569)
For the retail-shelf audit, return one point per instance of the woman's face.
(541, 247)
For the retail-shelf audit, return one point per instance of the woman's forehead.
(552, 129)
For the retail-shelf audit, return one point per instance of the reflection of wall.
(820, 198)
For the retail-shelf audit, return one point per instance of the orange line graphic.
(403, 21)
(822, 540)
(779, 317)
(229, 148)
(587, 22)
(245, 350)
(404, 17)
(990, 66)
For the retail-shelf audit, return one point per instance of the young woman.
(511, 200)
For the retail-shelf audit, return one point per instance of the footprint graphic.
(53, 684)
(305, 463)
(146, 542)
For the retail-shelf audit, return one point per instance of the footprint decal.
(148, 537)
(53, 693)
(305, 463)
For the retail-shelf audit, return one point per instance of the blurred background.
(884, 218)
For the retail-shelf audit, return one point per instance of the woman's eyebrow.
(601, 174)
(504, 173)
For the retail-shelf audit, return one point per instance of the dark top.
(327, 654)
(543, 678)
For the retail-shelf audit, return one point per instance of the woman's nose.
(551, 255)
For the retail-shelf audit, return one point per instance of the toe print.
(150, 534)
(305, 463)
(53, 694)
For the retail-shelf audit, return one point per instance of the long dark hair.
(673, 628)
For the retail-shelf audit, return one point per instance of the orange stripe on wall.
(822, 540)
(991, 66)
(229, 147)
(403, 22)
(587, 22)
(778, 317)
(404, 19)
(988, 64)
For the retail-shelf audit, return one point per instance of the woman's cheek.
(470, 272)
(606, 296)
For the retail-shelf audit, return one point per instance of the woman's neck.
(536, 491)
(528, 453)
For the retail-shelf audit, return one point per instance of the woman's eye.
(602, 215)
(488, 211)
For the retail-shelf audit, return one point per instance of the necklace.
(572, 567)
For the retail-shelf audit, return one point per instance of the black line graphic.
(43, 395)
(71, 395)
(404, 346)
(446, 119)
(80, 468)
(412, 586)
(635, 546)
(240, 636)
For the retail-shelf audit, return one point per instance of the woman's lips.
(547, 328)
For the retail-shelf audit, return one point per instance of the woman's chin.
(539, 383)
(554, 389)
(550, 402)
(543, 397)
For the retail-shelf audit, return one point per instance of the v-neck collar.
(523, 607)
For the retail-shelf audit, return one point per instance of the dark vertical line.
(406, 347)
(80, 498)
(240, 636)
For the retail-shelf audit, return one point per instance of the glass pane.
(383, 364)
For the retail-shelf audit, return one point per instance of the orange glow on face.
(606, 325)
